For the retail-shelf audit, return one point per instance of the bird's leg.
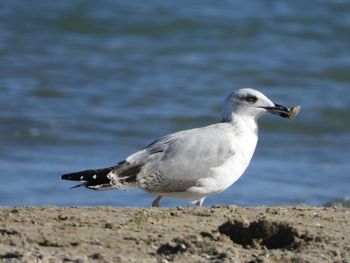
(156, 201)
(199, 202)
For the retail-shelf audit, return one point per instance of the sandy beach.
(207, 234)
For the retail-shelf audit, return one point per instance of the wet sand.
(207, 234)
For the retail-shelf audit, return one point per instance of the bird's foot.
(199, 202)
(156, 201)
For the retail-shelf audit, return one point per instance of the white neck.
(246, 122)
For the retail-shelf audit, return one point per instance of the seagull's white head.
(251, 103)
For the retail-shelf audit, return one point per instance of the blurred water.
(84, 84)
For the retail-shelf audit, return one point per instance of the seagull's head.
(252, 103)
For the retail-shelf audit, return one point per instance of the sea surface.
(83, 84)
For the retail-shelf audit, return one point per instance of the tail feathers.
(124, 175)
(94, 179)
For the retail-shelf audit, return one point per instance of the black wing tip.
(88, 175)
(78, 185)
(74, 176)
(69, 177)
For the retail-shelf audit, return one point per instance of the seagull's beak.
(280, 110)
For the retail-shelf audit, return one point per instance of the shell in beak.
(283, 111)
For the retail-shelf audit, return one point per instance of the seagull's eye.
(251, 99)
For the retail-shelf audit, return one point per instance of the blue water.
(84, 84)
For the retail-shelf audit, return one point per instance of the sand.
(207, 234)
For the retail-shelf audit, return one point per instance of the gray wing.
(176, 162)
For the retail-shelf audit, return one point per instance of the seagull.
(192, 164)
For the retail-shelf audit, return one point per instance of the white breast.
(228, 172)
